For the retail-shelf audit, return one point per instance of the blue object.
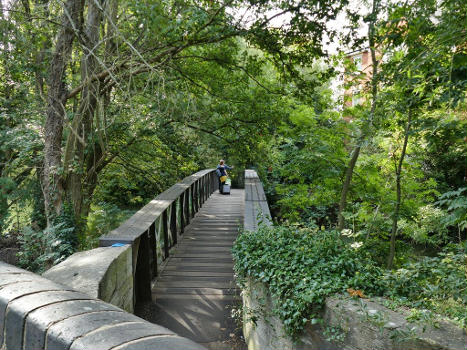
(118, 244)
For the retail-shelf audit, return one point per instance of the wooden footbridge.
(184, 270)
(173, 267)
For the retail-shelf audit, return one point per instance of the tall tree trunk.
(52, 185)
(374, 94)
(395, 218)
(346, 187)
(80, 142)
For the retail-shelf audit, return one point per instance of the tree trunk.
(52, 185)
(395, 218)
(80, 143)
(374, 94)
(346, 187)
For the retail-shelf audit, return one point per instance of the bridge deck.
(194, 293)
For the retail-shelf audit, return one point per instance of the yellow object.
(223, 178)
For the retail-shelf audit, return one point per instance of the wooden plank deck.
(195, 292)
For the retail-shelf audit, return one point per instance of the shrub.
(302, 267)
(42, 249)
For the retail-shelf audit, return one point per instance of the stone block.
(39, 321)
(161, 343)
(105, 273)
(36, 314)
(112, 336)
(364, 324)
(15, 277)
(7, 268)
(19, 308)
(16, 290)
(123, 295)
(367, 323)
(63, 333)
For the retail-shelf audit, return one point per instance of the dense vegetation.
(302, 266)
(106, 103)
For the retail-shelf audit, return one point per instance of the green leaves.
(301, 268)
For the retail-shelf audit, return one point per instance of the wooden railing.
(155, 229)
(256, 204)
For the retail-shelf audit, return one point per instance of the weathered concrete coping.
(140, 222)
(104, 273)
(256, 205)
(36, 314)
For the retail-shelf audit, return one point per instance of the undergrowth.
(301, 267)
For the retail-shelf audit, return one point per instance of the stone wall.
(348, 324)
(102, 273)
(38, 314)
(256, 204)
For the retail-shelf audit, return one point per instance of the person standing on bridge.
(221, 172)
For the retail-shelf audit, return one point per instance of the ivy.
(303, 266)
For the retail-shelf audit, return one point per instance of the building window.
(357, 60)
(356, 100)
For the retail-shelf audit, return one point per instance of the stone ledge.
(104, 273)
(38, 314)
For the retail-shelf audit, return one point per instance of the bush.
(103, 218)
(40, 250)
(302, 267)
(434, 283)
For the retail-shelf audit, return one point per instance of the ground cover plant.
(303, 266)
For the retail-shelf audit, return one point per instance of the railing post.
(143, 270)
(196, 195)
(153, 249)
(192, 195)
(212, 183)
(165, 233)
(215, 182)
(182, 212)
(187, 206)
(203, 190)
(173, 222)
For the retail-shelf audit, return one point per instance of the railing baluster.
(192, 197)
(196, 195)
(215, 182)
(153, 249)
(143, 270)
(182, 212)
(173, 222)
(201, 183)
(165, 233)
(187, 206)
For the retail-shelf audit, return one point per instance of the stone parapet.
(102, 273)
(256, 204)
(38, 314)
(348, 324)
